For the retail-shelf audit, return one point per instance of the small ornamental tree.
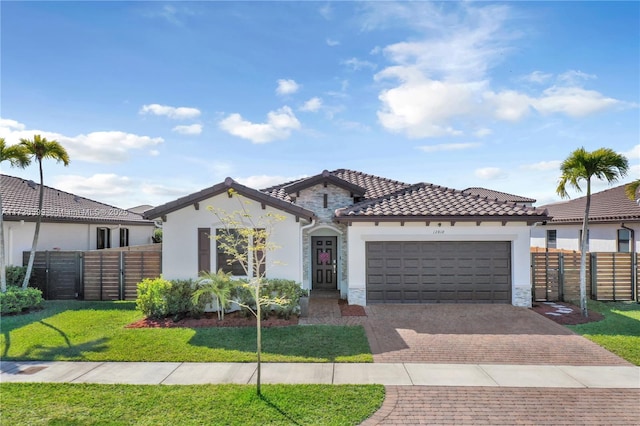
(246, 240)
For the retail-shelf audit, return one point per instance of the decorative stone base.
(357, 296)
(522, 296)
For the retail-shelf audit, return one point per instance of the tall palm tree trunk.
(34, 246)
(583, 253)
(3, 265)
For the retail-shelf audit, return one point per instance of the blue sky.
(155, 100)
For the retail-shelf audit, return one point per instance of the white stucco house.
(374, 240)
(69, 222)
(614, 223)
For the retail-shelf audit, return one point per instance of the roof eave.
(530, 220)
(225, 186)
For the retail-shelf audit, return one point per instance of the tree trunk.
(583, 254)
(34, 246)
(258, 336)
(3, 266)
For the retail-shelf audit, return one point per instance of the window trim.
(103, 238)
(551, 243)
(124, 235)
(619, 240)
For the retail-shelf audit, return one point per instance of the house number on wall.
(439, 231)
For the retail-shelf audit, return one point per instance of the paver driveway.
(476, 334)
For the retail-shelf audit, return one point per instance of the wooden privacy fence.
(93, 275)
(555, 276)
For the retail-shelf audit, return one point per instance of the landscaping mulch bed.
(565, 318)
(232, 319)
(351, 310)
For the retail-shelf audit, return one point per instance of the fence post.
(613, 278)
(533, 277)
(634, 277)
(561, 276)
(594, 276)
(121, 276)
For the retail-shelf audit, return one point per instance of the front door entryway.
(324, 263)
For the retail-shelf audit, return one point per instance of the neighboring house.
(500, 196)
(69, 222)
(614, 223)
(375, 240)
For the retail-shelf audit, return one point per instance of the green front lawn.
(95, 331)
(76, 404)
(618, 332)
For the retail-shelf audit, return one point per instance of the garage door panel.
(444, 271)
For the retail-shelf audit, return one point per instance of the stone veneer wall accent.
(522, 296)
(312, 198)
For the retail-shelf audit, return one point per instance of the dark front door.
(324, 261)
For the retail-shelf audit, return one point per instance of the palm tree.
(17, 157)
(632, 189)
(603, 163)
(39, 149)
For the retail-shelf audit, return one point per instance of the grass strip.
(618, 332)
(92, 404)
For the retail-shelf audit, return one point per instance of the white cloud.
(312, 105)
(265, 181)
(573, 77)
(279, 125)
(482, 132)
(448, 147)
(508, 105)
(287, 87)
(191, 129)
(543, 166)
(179, 113)
(95, 147)
(633, 154)
(11, 125)
(104, 187)
(420, 107)
(331, 42)
(490, 173)
(326, 11)
(573, 101)
(154, 152)
(538, 77)
(356, 64)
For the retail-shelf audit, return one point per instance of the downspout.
(302, 229)
(634, 264)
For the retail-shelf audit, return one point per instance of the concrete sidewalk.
(402, 374)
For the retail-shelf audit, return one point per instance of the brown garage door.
(442, 271)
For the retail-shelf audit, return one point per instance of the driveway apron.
(489, 334)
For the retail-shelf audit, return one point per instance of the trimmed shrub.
(15, 275)
(159, 298)
(288, 290)
(17, 300)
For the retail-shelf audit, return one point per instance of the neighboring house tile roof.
(374, 186)
(20, 202)
(426, 201)
(610, 205)
(225, 186)
(498, 196)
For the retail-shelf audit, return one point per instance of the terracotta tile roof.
(498, 196)
(374, 186)
(20, 202)
(423, 200)
(611, 205)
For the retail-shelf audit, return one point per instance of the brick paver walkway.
(420, 405)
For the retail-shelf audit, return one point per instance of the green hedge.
(17, 300)
(161, 298)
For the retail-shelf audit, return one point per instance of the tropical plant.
(631, 189)
(582, 165)
(40, 149)
(17, 157)
(246, 240)
(212, 286)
